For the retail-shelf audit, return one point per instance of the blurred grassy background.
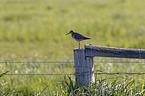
(34, 31)
(30, 28)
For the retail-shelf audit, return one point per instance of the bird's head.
(71, 31)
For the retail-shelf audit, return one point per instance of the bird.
(77, 36)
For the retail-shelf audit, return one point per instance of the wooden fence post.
(84, 68)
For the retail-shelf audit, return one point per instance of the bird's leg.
(79, 44)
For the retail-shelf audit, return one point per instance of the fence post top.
(78, 49)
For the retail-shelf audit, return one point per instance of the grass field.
(34, 31)
(41, 26)
(27, 84)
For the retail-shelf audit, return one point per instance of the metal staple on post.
(139, 53)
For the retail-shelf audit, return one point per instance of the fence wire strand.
(97, 62)
(98, 73)
(119, 73)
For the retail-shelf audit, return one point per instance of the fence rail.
(103, 51)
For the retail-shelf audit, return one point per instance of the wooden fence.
(83, 60)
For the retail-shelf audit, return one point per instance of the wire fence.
(38, 62)
(100, 62)
(97, 73)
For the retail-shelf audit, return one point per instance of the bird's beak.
(67, 33)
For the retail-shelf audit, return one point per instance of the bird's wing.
(80, 36)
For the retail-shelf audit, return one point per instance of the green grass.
(42, 26)
(34, 31)
(27, 84)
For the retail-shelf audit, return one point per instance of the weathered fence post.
(84, 68)
(83, 60)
